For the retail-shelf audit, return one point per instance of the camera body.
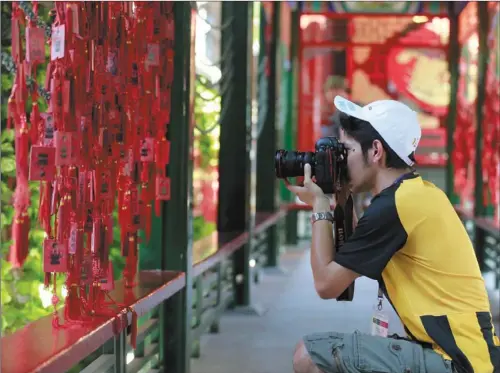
(328, 164)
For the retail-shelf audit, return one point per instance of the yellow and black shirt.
(412, 242)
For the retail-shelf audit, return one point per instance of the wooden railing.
(103, 344)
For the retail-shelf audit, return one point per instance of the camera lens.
(291, 163)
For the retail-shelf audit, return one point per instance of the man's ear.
(378, 151)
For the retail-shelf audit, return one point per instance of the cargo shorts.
(361, 353)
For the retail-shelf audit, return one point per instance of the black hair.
(364, 133)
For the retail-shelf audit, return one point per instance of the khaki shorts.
(361, 353)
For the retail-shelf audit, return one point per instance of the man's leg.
(360, 353)
(315, 353)
(302, 362)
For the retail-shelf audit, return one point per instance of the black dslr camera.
(329, 166)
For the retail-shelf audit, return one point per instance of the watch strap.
(327, 215)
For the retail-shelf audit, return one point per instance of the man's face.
(361, 171)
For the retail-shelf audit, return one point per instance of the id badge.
(380, 324)
(380, 320)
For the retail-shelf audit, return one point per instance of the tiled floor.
(265, 343)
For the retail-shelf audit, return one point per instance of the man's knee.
(302, 362)
(314, 354)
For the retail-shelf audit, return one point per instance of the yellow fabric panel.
(438, 255)
(469, 339)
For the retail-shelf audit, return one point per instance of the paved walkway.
(264, 343)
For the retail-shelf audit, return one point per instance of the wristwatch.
(327, 215)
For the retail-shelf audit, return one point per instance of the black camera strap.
(343, 222)
(343, 216)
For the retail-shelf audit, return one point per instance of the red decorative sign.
(55, 257)
(42, 163)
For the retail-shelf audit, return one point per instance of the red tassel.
(20, 229)
(158, 207)
(25, 230)
(55, 301)
(35, 119)
(19, 248)
(148, 219)
(11, 107)
(44, 211)
(133, 329)
(22, 145)
(61, 219)
(131, 262)
(68, 19)
(72, 304)
(47, 279)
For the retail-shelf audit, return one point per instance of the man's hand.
(310, 193)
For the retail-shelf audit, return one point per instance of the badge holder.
(380, 319)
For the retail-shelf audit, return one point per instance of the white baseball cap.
(395, 122)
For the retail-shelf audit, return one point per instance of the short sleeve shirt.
(412, 242)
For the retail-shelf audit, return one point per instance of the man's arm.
(330, 278)
(377, 237)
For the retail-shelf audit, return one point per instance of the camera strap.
(343, 217)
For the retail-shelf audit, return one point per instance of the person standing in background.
(334, 85)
